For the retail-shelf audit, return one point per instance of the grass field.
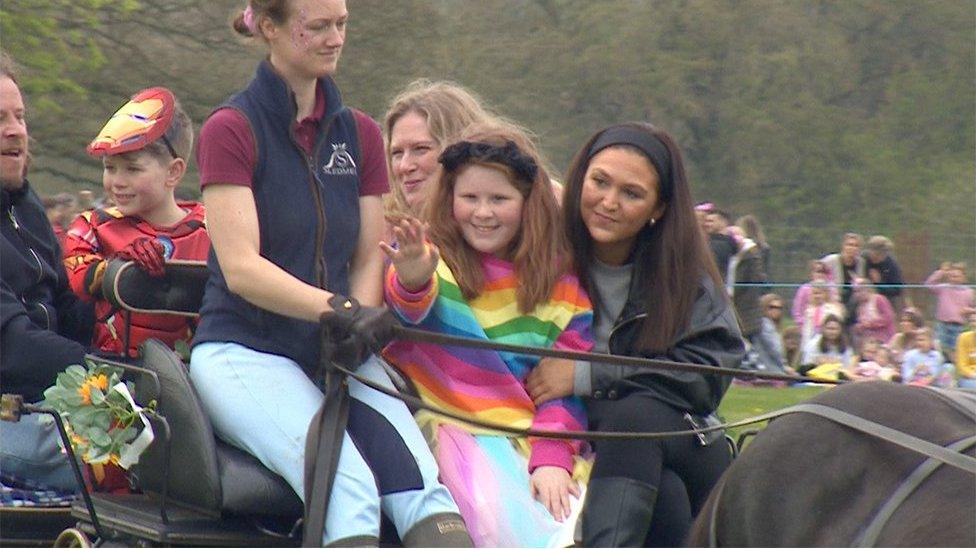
(744, 402)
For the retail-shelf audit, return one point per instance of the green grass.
(745, 402)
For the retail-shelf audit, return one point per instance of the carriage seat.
(203, 472)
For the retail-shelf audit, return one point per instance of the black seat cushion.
(250, 488)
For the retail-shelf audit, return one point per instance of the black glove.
(355, 331)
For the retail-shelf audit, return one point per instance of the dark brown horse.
(809, 481)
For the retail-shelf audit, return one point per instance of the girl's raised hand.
(415, 258)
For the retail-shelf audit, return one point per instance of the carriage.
(199, 491)
(196, 490)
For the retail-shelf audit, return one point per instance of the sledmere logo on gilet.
(341, 162)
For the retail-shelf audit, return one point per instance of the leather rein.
(935, 455)
(928, 449)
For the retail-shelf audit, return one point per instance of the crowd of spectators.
(851, 318)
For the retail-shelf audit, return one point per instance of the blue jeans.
(947, 333)
(264, 403)
(30, 450)
(967, 382)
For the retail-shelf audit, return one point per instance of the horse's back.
(809, 481)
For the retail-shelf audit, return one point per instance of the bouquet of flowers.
(104, 423)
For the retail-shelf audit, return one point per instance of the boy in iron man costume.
(144, 149)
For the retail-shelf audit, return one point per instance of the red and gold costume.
(98, 235)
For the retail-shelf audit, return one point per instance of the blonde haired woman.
(421, 122)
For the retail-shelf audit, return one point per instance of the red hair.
(539, 251)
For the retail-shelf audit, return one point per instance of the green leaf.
(72, 399)
(55, 396)
(122, 436)
(76, 373)
(97, 396)
(100, 438)
(102, 419)
(68, 381)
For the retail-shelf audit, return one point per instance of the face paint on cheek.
(299, 36)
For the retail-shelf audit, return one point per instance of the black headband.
(462, 152)
(652, 147)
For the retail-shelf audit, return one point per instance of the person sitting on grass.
(829, 352)
(966, 355)
(792, 350)
(924, 365)
(873, 363)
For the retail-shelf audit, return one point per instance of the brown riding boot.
(439, 530)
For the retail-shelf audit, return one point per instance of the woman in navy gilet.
(292, 181)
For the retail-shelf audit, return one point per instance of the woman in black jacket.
(656, 294)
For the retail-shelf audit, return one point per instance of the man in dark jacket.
(44, 325)
(721, 243)
(883, 270)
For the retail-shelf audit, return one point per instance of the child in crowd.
(874, 314)
(818, 273)
(792, 350)
(873, 363)
(909, 321)
(495, 268)
(144, 149)
(828, 352)
(818, 309)
(924, 365)
(955, 302)
(966, 355)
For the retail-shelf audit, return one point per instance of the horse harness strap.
(964, 403)
(924, 447)
(871, 533)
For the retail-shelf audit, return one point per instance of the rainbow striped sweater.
(487, 384)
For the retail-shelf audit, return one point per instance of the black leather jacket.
(45, 326)
(712, 338)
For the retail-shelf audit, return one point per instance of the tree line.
(819, 117)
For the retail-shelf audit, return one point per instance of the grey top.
(613, 284)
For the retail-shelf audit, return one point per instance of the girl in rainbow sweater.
(495, 267)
